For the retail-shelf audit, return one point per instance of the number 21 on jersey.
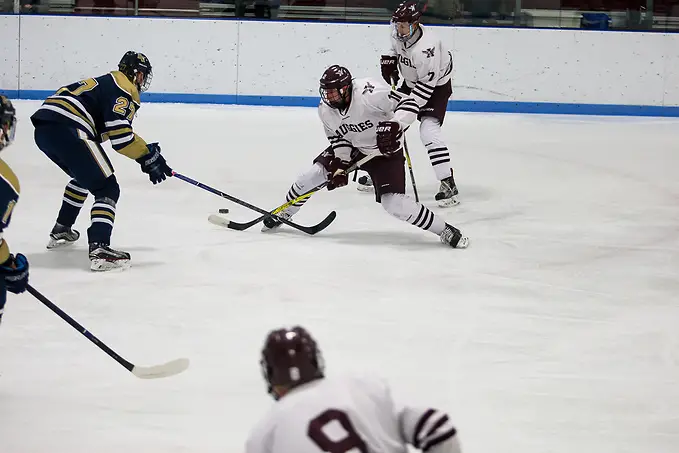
(350, 441)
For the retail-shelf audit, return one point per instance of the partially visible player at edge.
(14, 269)
(365, 117)
(426, 65)
(70, 127)
(315, 414)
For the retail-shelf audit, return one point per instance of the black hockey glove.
(15, 273)
(389, 137)
(389, 67)
(154, 164)
(338, 175)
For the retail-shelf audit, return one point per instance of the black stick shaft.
(234, 199)
(86, 333)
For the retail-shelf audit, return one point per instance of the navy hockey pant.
(90, 170)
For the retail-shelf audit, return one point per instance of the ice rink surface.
(556, 331)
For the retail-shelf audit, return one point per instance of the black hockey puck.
(224, 211)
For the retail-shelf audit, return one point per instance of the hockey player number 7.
(350, 441)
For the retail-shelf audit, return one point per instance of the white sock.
(430, 134)
(313, 177)
(405, 208)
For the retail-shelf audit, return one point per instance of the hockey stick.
(308, 230)
(405, 149)
(151, 372)
(217, 220)
(410, 167)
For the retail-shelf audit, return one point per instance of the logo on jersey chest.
(344, 129)
(406, 61)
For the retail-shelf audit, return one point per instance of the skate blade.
(448, 202)
(58, 243)
(463, 243)
(266, 229)
(365, 189)
(102, 265)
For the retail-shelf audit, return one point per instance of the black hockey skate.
(271, 223)
(365, 184)
(453, 237)
(104, 258)
(62, 236)
(447, 195)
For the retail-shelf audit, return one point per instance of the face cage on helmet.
(341, 103)
(7, 131)
(147, 81)
(397, 35)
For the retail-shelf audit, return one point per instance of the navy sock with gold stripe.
(103, 215)
(74, 198)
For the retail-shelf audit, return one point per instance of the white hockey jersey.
(349, 415)
(372, 101)
(424, 62)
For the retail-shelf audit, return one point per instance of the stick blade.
(218, 220)
(160, 371)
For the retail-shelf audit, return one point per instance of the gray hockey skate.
(104, 258)
(62, 236)
(447, 195)
(453, 237)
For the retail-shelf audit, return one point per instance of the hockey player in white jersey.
(426, 65)
(363, 117)
(315, 414)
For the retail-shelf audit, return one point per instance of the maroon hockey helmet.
(408, 12)
(290, 357)
(336, 87)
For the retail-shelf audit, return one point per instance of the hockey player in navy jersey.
(70, 127)
(14, 269)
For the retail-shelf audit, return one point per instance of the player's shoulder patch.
(124, 84)
(368, 86)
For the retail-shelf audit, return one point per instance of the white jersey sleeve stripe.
(432, 428)
(423, 90)
(395, 96)
(424, 87)
(425, 97)
(407, 108)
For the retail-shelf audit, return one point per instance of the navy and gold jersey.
(9, 196)
(102, 107)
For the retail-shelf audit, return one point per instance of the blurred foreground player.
(14, 269)
(426, 65)
(363, 117)
(70, 127)
(315, 414)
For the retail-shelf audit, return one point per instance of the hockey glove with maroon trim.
(389, 137)
(338, 175)
(389, 68)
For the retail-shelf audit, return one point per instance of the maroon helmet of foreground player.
(406, 19)
(290, 357)
(336, 87)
